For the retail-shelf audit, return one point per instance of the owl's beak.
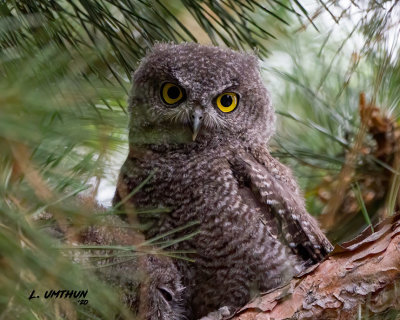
(197, 120)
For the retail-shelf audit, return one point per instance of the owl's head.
(191, 94)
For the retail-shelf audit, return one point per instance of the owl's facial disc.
(206, 109)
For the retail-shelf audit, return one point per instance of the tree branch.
(359, 279)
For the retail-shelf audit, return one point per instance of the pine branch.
(359, 280)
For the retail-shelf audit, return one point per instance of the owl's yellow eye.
(171, 93)
(227, 101)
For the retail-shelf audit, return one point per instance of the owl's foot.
(217, 315)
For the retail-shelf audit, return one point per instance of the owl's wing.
(277, 197)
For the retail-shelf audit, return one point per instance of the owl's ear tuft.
(251, 62)
(253, 59)
(159, 46)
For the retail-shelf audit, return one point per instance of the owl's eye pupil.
(174, 92)
(226, 100)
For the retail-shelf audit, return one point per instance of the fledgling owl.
(200, 123)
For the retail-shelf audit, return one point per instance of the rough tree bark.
(358, 280)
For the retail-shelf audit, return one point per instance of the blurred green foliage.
(64, 76)
(323, 74)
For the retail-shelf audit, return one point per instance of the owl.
(200, 122)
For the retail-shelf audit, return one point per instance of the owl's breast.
(187, 187)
